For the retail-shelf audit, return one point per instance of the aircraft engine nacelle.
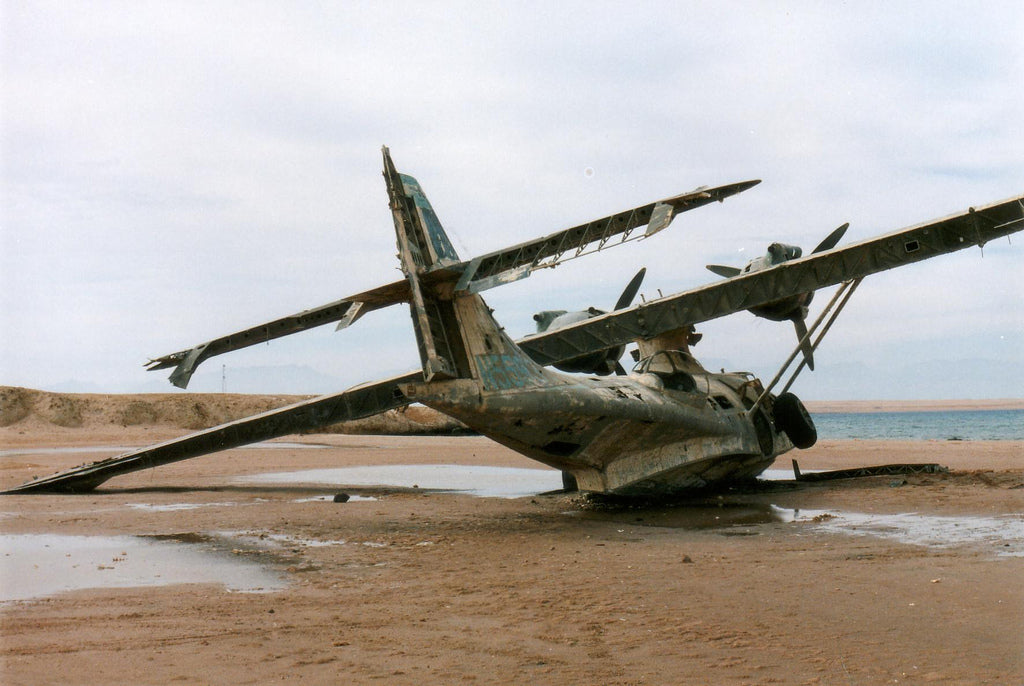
(780, 252)
(600, 363)
(792, 308)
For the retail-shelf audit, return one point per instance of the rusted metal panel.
(877, 470)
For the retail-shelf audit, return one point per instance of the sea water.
(965, 425)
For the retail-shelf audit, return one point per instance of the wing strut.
(828, 325)
(838, 302)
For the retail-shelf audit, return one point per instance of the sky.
(174, 171)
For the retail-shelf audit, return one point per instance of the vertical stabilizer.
(422, 245)
(456, 334)
(428, 243)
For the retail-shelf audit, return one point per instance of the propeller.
(722, 270)
(794, 309)
(601, 362)
(801, 330)
(832, 240)
(625, 300)
(800, 314)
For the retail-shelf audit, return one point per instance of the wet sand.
(417, 586)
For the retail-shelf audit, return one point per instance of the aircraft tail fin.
(455, 332)
(428, 243)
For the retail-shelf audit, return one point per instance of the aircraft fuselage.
(647, 432)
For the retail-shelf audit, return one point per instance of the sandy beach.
(784, 583)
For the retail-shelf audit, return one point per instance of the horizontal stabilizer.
(439, 260)
(344, 311)
(518, 261)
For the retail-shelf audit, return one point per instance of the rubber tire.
(793, 419)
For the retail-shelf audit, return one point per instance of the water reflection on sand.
(38, 565)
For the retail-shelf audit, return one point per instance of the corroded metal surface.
(876, 470)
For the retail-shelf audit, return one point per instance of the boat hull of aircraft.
(622, 435)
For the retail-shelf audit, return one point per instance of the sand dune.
(173, 413)
(25, 407)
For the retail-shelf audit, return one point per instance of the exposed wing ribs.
(519, 261)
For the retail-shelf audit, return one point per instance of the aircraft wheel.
(792, 417)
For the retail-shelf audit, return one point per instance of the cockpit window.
(671, 367)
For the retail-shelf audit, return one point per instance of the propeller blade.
(805, 347)
(631, 289)
(619, 370)
(722, 270)
(832, 240)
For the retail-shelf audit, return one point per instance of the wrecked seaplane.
(668, 425)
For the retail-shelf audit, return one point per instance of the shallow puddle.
(488, 482)
(272, 541)
(782, 474)
(174, 507)
(39, 565)
(1003, 535)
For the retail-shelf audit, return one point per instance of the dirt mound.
(15, 404)
(188, 411)
(411, 420)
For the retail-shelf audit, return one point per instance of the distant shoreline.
(859, 406)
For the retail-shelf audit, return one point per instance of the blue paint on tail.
(442, 247)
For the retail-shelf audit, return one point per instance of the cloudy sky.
(174, 171)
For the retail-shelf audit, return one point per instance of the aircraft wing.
(481, 273)
(976, 226)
